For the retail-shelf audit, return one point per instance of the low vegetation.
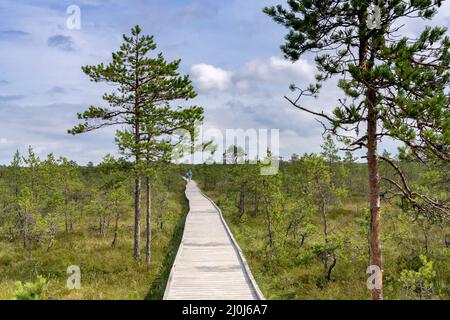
(55, 214)
(304, 230)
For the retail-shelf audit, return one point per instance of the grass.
(106, 272)
(284, 272)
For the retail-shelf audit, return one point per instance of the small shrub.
(419, 283)
(31, 290)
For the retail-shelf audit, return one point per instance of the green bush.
(419, 283)
(31, 290)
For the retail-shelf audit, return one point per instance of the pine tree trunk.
(137, 217)
(375, 257)
(148, 222)
(66, 215)
(256, 205)
(425, 237)
(241, 202)
(269, 223)
(137, 154)
(116, 229)
(331, 267)
(326, 254)
(24, 231)
(30, 248)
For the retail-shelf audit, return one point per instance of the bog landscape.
(225, 150)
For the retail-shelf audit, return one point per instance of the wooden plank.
(209, 264)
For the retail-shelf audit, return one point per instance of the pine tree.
(70, 185)
(235, 156)
(321, 191)
(398, 84)
(163, 129)
(271, 196)
(330, 150)
(113, 187)
(15, 183)
(145, 85)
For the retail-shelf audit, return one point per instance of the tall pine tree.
(396, 86)
(142, 84)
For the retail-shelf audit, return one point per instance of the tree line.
(42, 199)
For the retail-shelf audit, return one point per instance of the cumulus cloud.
(207, 77)
(276, 68)
(61, 42)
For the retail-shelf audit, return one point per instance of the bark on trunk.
(425, 237)
(269, 223)
(148, 222)
(66, 222)
(66, 214)
(326, 254)
(24, 231)
(137, 218)
(137, 153)
(30, 247)
(331, 267)
(256, 206)
(375, 257)
(116, 229)
(241, 202)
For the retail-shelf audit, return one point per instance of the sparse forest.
(55, 213)
(305, 229)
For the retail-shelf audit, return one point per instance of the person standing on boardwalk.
(189, 175)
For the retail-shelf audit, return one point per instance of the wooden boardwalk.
(209, 264)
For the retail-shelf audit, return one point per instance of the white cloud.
(243, 85)
(207, 77)
(276, 68)
(272, 70)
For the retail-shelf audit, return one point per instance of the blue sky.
(229, 47)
